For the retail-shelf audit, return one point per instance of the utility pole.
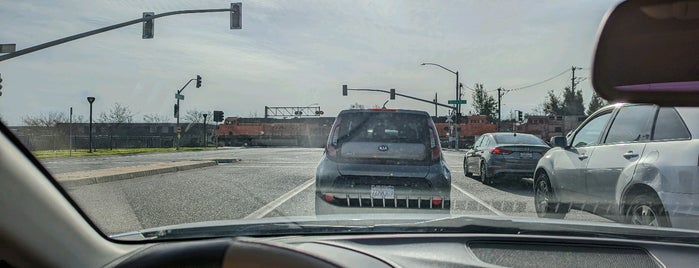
(458, 111)
(70, 133)
(572, 79)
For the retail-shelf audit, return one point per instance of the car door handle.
(630, 154)
(582, 156)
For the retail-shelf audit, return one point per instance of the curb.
(117, 176)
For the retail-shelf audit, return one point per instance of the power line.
(540, 82)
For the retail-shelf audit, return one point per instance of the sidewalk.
(80, 178)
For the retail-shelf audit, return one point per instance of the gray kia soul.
(382, 161)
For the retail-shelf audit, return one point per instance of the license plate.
(525, 155)
(381, 191)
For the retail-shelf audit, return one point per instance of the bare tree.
(45, 120)
(197, 116)
(155, 118)
(79, 119)
(118, 114)
(483, 104)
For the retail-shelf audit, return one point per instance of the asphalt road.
(268, 182)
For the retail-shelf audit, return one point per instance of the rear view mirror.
(647, 52)
(559, 141)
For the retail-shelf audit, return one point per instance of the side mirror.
(559, 141)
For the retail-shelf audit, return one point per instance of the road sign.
(179, 130)
(456, 102)
(179, 96)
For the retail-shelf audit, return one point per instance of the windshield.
(335, 111)
(518, 139)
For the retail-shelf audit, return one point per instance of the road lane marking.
(486, 205)
(271, 206)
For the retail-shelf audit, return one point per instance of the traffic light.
(148, 26)
(236, 16)
(218, 116)
(519, 116)
(0, 84)
(393, 93)
(344, 90)
(198, 81)
(177, 111)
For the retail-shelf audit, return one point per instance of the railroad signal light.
(148, 26)
(393, 93)
(344, 90)
(198, 81)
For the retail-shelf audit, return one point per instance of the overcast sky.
(291, 53)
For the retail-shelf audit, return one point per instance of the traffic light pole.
(179, 132)
(104, 29)
(402, 95)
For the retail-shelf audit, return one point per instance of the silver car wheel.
(644, 215)
(542, 196)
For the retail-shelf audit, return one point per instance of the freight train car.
(297, 132)
(313, 132)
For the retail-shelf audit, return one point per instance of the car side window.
(669, 125)
(478, 142)
(486, 142)
(590, 133)
(630, 124)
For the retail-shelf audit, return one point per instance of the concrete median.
(80, 178)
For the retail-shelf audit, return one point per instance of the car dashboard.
(413, 250)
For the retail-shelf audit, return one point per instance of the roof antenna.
(384, 104)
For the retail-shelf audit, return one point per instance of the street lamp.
(458, 98)
(91, 100)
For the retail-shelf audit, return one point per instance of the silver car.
(632, 163)
(503, 155)
(382, 160)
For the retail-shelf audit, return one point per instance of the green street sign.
(456, 102)
(179, 96)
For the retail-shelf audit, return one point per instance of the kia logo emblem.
(383, 148)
